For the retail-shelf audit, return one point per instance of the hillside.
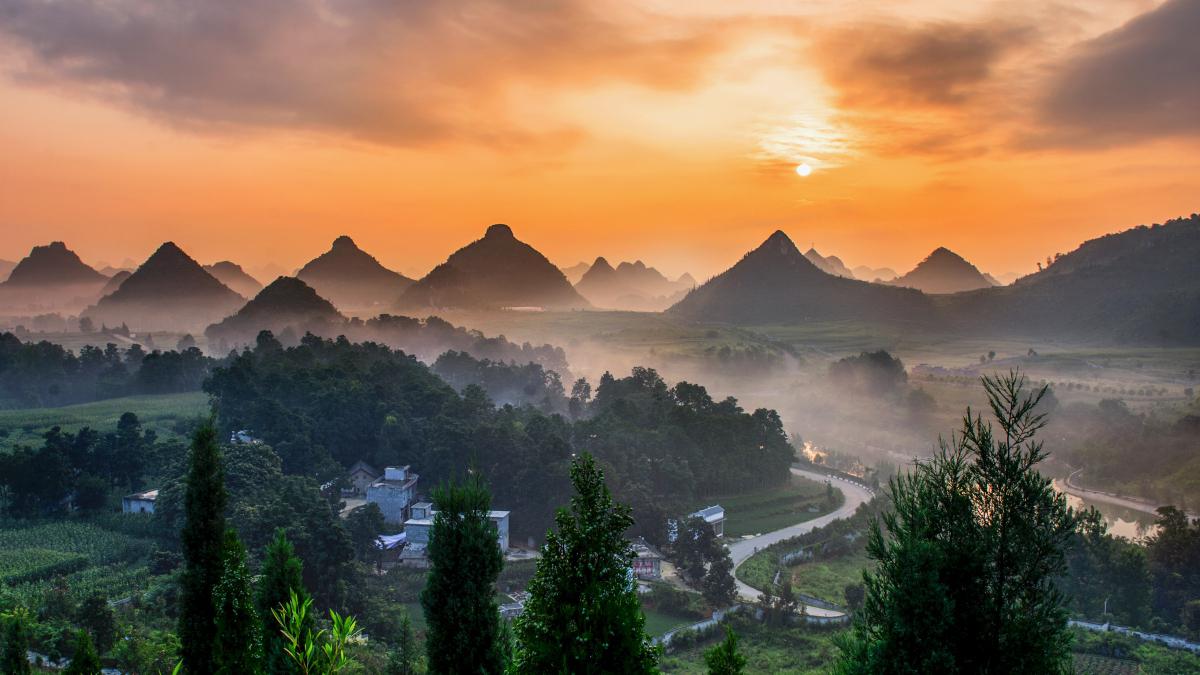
(631, 286)
(232, 275)
(287, 307)
(351, 278)
(496, 271)
(170, 291)
(874, 273)
(776, 283)
(51, 277)
(1136, 286)
(943, 271)
(115, 282)
(6, 268)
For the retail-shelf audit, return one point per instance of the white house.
(139, 502)
(393, 493)
(418, 529)
(714, 516)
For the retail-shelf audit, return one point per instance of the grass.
(799, 500)
(827, 579)
(26, 425)
(795, 650)
(658, 623)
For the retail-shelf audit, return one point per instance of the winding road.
(741, 550)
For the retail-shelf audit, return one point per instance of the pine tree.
(97, 618)
(84, 661)
(583, 614)
(238, 645)
(964, 581)
(14, 660)
(202, 539)
(460, 597)
(725, 659)
(402, 659)
(282, 576)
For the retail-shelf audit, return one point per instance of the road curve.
(741, 550)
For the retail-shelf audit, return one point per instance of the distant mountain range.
(50, 277)
(829, 265)
(631, 286)
(170, 291)
(874, 273)
(351, 278)
(944, 271)
(575, 272)
(497, 271)
(288, 307)
(233, 276)
(776, 283)
(115, 282)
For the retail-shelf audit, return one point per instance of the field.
(797, 650)
(825, 579)
(800, 500)
(82, 557)
(658, 623)
(26, 425)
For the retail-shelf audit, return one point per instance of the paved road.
(742, 549)
(1134, 503)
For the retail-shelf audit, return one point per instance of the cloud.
(936, 64)
(402, 73)
(1138, 82)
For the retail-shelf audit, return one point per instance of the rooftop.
(147, 496)
(711, 514)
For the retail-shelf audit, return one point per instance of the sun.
(803, 169)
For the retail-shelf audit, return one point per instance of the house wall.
(392, 501)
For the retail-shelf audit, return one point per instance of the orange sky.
(661, 130)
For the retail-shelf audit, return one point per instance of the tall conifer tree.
(282, 576)
(203, 542)
(238, 645)
(460, 593)
(583, 614)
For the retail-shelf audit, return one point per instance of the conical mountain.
(776, 283)
(496, 271)
(232, 275)
(944, 271)
(51, 277)
(686, 281)
(286, 305)
(575, 272)
(602, 285)
(828, 264)
(170, 291)
(351, 278)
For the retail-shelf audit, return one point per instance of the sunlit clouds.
(655, 129)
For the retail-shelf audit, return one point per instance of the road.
(742, 549)
(1143, 505)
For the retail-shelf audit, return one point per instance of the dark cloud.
(398, 72)
(929, 65)
(1137, 82)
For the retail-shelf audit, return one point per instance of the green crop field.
(26, 425)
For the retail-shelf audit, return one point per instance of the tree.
(725, 659)
(97, 618)
(460, 597)
(364, 524)
(402, 659)
(965, 576)
(238, 645)
(583, 614)
(14, 660)
(282, 577)
(720, 590)
(202, 539)
(854, 594)
(84, 661)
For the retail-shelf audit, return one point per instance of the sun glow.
(803, 169)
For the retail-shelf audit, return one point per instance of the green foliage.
(582, 615)
(459, 597)
(966, 571)
(725, 659)
(873, 373)
(505, 383)
(720, 590)
(1106, 572)
(320, 653)
(404, 656)
(84, 661)
(364, 525)
(237, 647)
(203, 543)
(95, 616)
(30, 564)
(14, 629)
(1173, 557)
(282, 578)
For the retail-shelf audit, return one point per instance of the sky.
(662, 130)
